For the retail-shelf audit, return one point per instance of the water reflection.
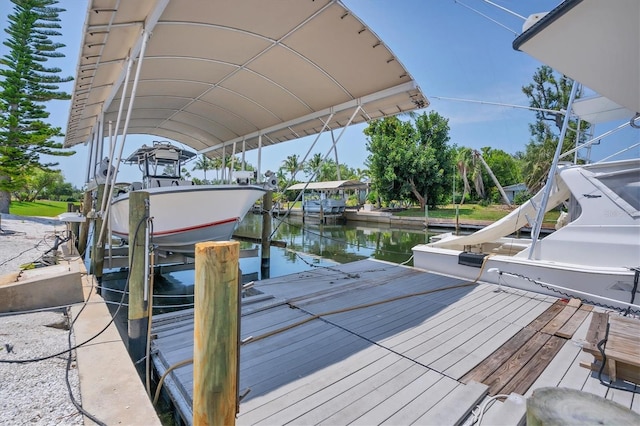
(315, 244)
(308, 245)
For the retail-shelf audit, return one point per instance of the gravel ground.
(34, 393)
(25, 239)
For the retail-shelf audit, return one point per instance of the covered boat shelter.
(328, 199)
(227, 76)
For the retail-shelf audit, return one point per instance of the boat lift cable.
(634, 290)
(149, 288)
(324, 158)
(602, 348)
(75, 402)
(473, 101)
(487, 17)
(324, 127)
(571, 293)
(368, 305)
(504, 9)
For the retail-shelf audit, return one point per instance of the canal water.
(308, 245)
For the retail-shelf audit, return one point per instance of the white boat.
(591, 257)
(595, 252)
(182, 213)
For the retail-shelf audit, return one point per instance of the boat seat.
(161, 182)
(135, 186)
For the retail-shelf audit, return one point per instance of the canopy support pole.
(324, 127)
(118, 118)
(132, 97)
(335, 141)
(259, 158)
(233, 161)
(535, 233)
(224, 163)
(90, 157)
(335, 150)
(244, 150)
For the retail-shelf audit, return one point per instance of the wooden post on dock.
(215, 351)
(84, 226)
(97, 252)
(138, 308)
(265, 262)
(74, 227)
(426, 213)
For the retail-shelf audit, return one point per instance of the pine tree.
(26, 84)
(548, 91)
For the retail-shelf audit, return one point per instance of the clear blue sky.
(450, 50)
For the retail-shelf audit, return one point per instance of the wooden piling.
(138, 313)
(97, 251)
(84, 226)
(74, 227)
(265, 260)
(215, 352)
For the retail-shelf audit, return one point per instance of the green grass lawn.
(473, 212)
(466, 211)
(38, 208)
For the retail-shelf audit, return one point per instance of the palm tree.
(292, 164)
(464, 160)
(216, 164)
(470, 165)
(313, 165)
(203, 163)
(362, 174)
(478, 155)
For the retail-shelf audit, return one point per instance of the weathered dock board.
(375, 343)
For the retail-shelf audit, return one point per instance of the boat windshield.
(626, 186)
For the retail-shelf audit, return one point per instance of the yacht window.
(626, 185)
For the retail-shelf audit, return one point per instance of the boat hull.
(609, 287)
(184, 216)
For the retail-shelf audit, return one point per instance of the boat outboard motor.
(103, 170)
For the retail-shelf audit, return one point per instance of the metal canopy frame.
(219, 73)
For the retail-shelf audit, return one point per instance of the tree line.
(411, 158)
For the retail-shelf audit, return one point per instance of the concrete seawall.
(413, 222)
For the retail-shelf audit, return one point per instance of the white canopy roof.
(595, 42)
(598, 109)
(216, 72)
(329, 185)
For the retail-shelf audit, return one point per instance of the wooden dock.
(371, 343)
